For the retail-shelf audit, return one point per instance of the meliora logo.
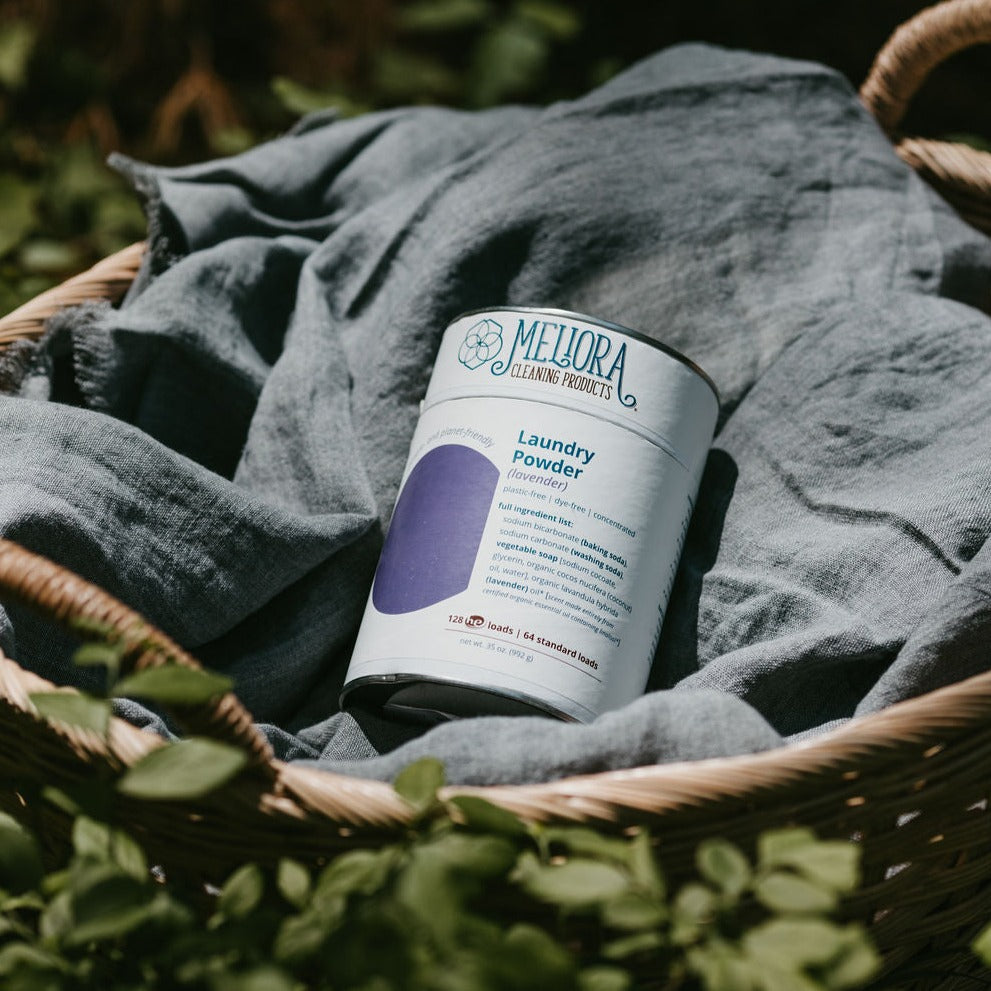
(481, 344)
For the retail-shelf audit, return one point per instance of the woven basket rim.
(904, 731)
(912, 730)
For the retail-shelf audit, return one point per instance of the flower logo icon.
(481, 344)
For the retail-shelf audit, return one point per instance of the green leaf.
(128, 854)
(174, 684)
(55, 881)
(300, 99)
(242, 892)
(774, 979)
(49, 257)
(61, 800)
(79, 178)
(17, 40)
(722, 863)
(833, 864)
(107, 904)
(89, 627)
(116, 221)
(441, 873)
(857, 964)
(231, 140)
(187, 769)
(293, 882)
(56, 919)
(426, 889)
(12, 928)
(20, 860)
(73, 709)
(629, 946)
(634, 910)
(438, 16)
(577, 883)
(793, 943)
(98, 654)
(16, 957)
(721, 966)
(402, 76)
(484, 816)
(356, 872)
(776, 846)
(91, 839)
(14, 903)
(695, 903)
(556, 19)
(543, 961)
(582, 841)
(301, 937)
(604, 979)
(982, 945)
(785, 892)
(693, 907)
(265, 977)
(506, 63)
(471, 855)
(644, 867)
(419, 782)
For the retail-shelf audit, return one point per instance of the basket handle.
(66, 598)
(915, 49)
(960, 173)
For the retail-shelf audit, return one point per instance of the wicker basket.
(910, 783)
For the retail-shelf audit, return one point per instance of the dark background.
(845, 34)
(174, 81)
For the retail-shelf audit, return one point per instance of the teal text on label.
(583, 350)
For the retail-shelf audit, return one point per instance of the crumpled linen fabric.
(223, 451)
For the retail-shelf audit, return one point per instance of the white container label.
(534, 544)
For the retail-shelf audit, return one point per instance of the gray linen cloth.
(223, 452)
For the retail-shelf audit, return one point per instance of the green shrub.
(467, 897)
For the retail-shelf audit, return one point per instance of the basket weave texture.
(909, 783)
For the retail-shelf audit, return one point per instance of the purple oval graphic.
(436, 528)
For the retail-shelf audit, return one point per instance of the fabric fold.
(223, 451)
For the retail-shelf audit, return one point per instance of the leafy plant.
(172, 82)
(186, 769)
(60, 207)
(468, 897)
(982, 945)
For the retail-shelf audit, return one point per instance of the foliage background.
(174, 81)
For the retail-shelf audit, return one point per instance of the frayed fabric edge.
(16, 362)
(91, 351)
(27, 367)
(166, 243)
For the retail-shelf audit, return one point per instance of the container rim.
(606, 324)
(360, 688)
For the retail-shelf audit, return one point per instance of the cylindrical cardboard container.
(538, 527)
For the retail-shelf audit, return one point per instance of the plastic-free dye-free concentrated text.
(539, 523)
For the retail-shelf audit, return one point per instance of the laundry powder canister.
(539, 523)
